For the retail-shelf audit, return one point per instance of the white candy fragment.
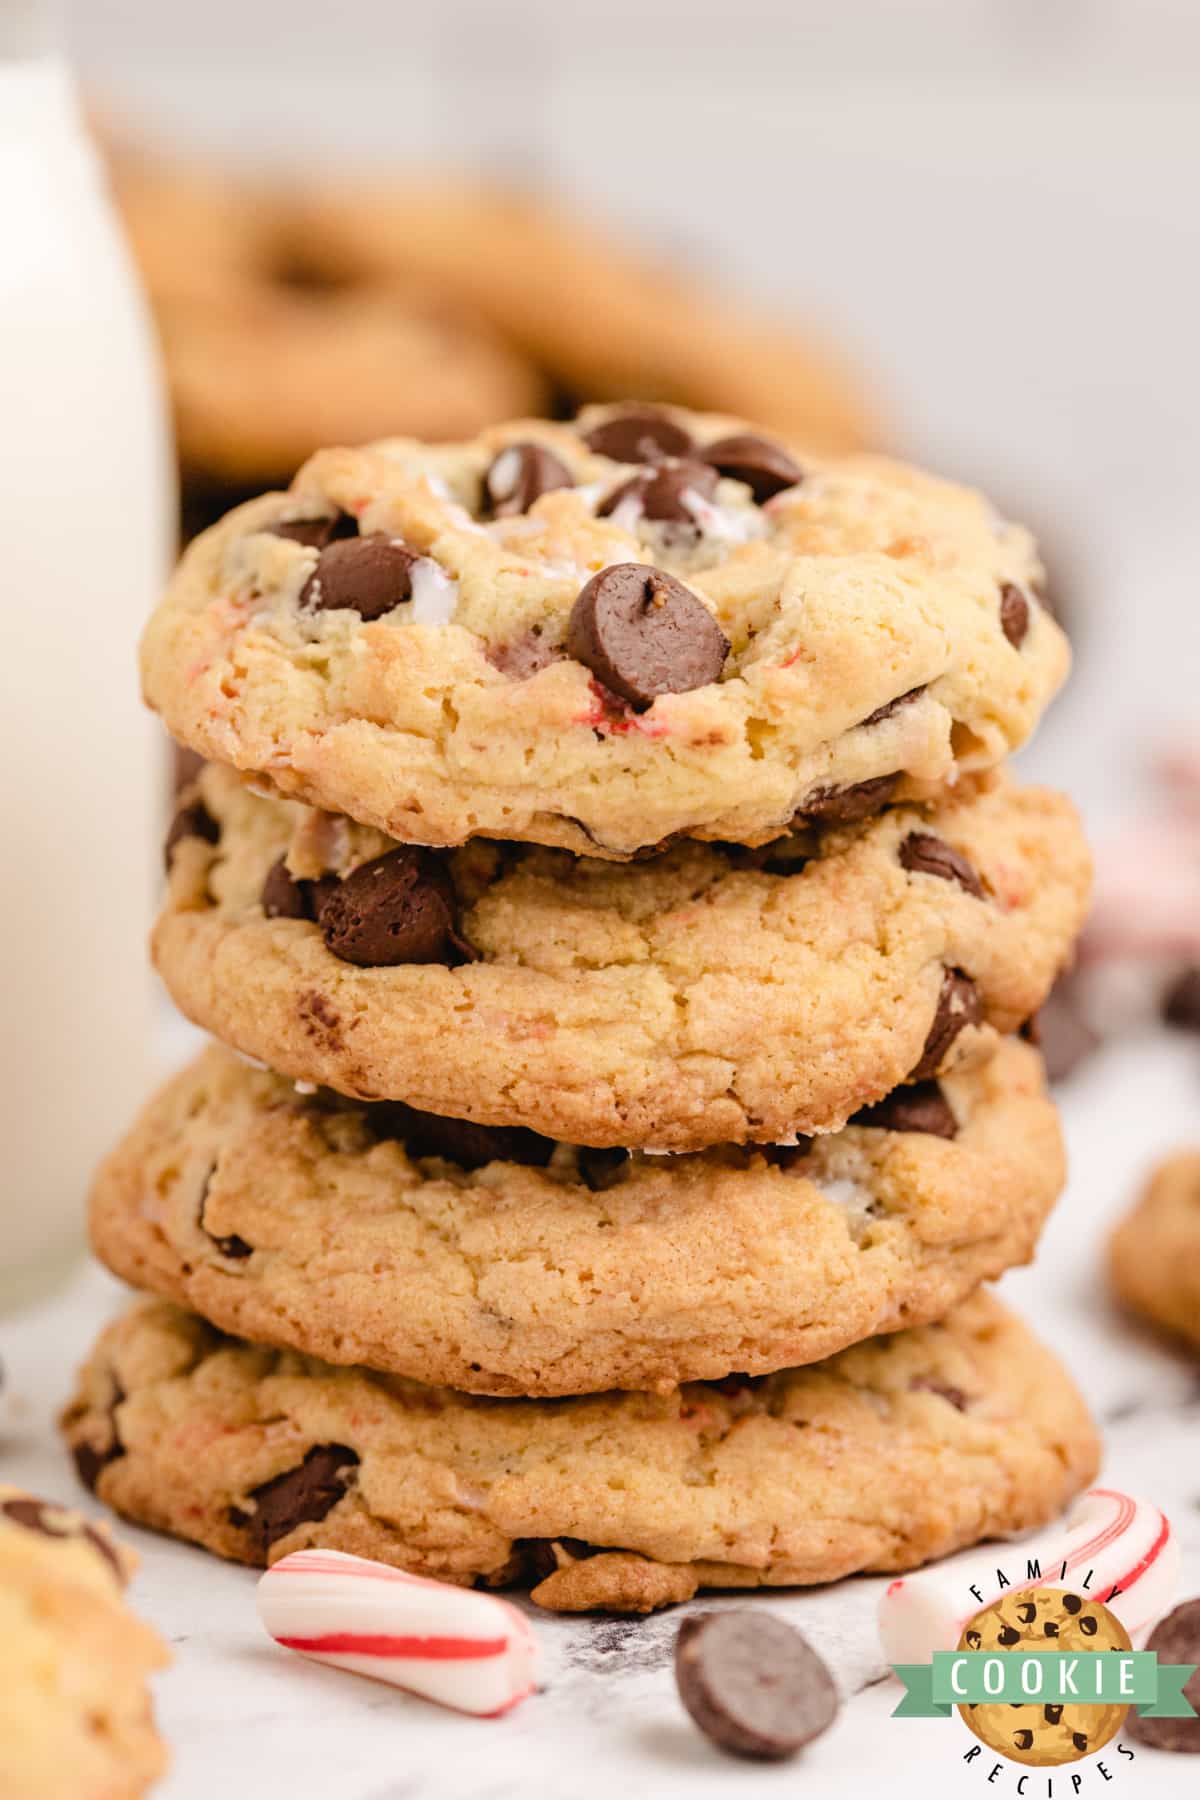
(434, 594)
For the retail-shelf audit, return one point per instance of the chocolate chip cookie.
(605, 634)
(501, 1262)
(702, 996)
(894, 1452)
(75, 1712)
(1154, 1255)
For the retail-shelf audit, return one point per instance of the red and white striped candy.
(464, 1649)
(1109, 1541)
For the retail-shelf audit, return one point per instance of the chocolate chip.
(1181, 1002)
(945, 1390)
(753, 1685)
(1014, 614)
(1062, 1031)
(191, 821)
(39, 1516)
(921, 1107)
(1072, 1603)
(638, 434)
(234, 1247)
(1050, 1628)
(459, 1141)
(923, 854)
(1175, 1639)
(283, 897)
(1079, 1739)
(526, 655)
(536, 1558)
(366, 575)
(892, 706)
(398, 908)
(786, 1156)
(185, 767)
(88, 1460)
(1023, 1740)
(601, 1168)
(1008, 1635)
(1027, 1612)
(642, 633)
(958, 1006)
(765, 467)
(300, 1496)
(1088, 1625)
(317, 534)
(1052, 1714)
(846, 805)
(521, 474)
(662, 493)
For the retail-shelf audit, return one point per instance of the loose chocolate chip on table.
(891, 706)
(958, 1006)
(639, 434)
(1014, 614)
(39, 1516)
(663, 492)
(367, 575)
(316, 534)
(398, 908)
(642, 633)
(191, 821)
(752, 1684)
(922, 853)
(945, 1390)
(1175, 1639)
(300, 1496)
(846, 805)
(921, 1107)
(521, 474)
(601, 1169)
(283, 897)
(1181, 1002)
(459, 1141)
(766, 468)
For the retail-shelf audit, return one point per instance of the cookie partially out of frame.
(897, 1451)
(696, 998)
(1155, 1251)
(605, 635)
(504, 1263)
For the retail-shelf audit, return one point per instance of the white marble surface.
(248, 1720)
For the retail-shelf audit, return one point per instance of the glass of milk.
(86, 526)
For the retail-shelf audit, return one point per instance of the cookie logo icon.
(1049, 1728)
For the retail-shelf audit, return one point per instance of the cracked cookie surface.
(293, 1222)
(75, 1713)
(883, 636)
(674, 1003)
(894, 1452)
(1154, 1255)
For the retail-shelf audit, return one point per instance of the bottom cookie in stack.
(894, 1452)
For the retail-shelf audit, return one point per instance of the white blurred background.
(991, 203)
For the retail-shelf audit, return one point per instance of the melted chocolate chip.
(1181, 1002)
(1080, 1740)
(1014, 614)
(1050, 1628)
(846, 805)
(1088, 1625)
(88, 1460)
(317, 534)
(283, 897)
(752, 1684)
(526, 655)
(945, 1390)
(663, 493)
(303, 1495)
(459, 1141)
(642, 633)
(398, 908)
(191, 821)
(521, 474)
(39, 1516)
(921, 1107)
(367, 575)
(638, 434)
(922, 853)
(234, 1247)
(601, 1169)
(765, 467)
(892, 706)
(958, 1006)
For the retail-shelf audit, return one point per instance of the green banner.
(1037, 1677)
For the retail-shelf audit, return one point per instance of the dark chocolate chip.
(786, 1156)
(521, 474)
(459, 1141)
(662, 493)
(765, 467)
(300, 1496)
(88, 1460)
(642, 633)
(1175, 1639)
(1061, 1031)
(398, 908)
(234, 1247)
(1027, 1612)
(191, 821)
(1088, 1625)
(601, 1169)
(945, 1390)
(318, 533)
(1050, 1628)
(1181, 1002)
(1014, 614)
(1080, 1740)
(1072, 1603)
(1023, 1740)
(39, 1516)
(1008, 1635)
(1052, 1714)
(846, 805)
(283, 897)
(958, 1006)
(921, 1107)
(526, 655)
(367, 575)
(753, 1685)
(922, 853)
(638, 434)
(892, 706)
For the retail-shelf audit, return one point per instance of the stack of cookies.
(622, 943)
